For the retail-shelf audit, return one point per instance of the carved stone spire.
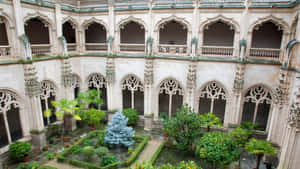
(282, 91)
(148, 72)
(239, 78)
(294, 113)
(32, 86)
(110, 70)
(67, 77)
(192, 76)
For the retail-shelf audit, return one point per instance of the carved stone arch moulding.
(125, 21)
(132, 83)
(76, 81)
(88, 22)
(7, 99)
(180, 20)
(171, 86)
(282, 25)
(229, 21)
(48, 89)
(71, 20)
(213, 90)
(259, 94)
(96, 80)
(7, 19)
(43, 18)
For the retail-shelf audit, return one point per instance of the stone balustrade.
(96, 47)
(129, 47)
(5, 51)
(173, 49)
(265, 53)
(41, 49)
(216, 51)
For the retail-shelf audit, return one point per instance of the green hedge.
(61, 157)
(47, 167)
(156, 154)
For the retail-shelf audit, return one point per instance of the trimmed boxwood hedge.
(62, 156)
(156, 154)
(47, 167)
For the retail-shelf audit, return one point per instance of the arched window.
(132, 33)
(48, 93)
(97, 82)
(69, 32)
(257, 105)
(213, 99)
(170, 96)
(4, 49)
(266, 40)
(133, 94)
(10, 121)
(75, 85)
(95, 36)
(37, 31)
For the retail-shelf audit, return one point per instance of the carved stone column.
(110, 79)
(32, 91)
(191, 84)
(148, 86)
(236, 100)
(289, 157)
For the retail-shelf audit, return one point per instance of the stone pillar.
(113, 48)
(110, 80)
(195, 30)
(289, 156)
(58, 24)
(32, 87)
(191, 84)
(17, 9)
(234, 114)
(148, 89)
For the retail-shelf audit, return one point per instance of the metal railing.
(265, 53)
(217, 51)
(224, 2)
(4, 51)
(172, 49)
(129, 47)
(95, 46)
(41, 49)
(270, 2)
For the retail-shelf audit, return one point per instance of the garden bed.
(125, 158)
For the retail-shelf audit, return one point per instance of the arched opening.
(95, 37)
(37, 32)
(173, 37)
(10, 121)
(69, 32)
(266, 40)
(212, 99)
(75, 85)
(132, 37)
(48, 93)
(4, 44)
(170, 97)
(257, 105)
(98, 82)
(218, 39)
(133, 94)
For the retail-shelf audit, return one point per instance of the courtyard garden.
(187, 140)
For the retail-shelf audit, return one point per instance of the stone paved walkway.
(57, 165)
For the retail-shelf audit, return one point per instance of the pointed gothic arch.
(48, 94)
(98, 82)
(133, 93)
(76, 84)
(220, 18)
(170, 96)
(125, 21)
(69, 29)
(212, 97)
(10, 118)
(277, 21)
(44, 18)
(257, 105)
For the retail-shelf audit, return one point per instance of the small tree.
(209, 120)
(89, 97)
(132, 115)
(117, 132)
(259, 148)
(185, 127)
(64, 108)
(217, 148)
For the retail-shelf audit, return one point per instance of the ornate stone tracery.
(110, 70)
(239, 78)
(92, 20)
(171, 87)
(48, 89)
(139, 21)
(96, 81)
(148, 75)
(277, 21)
(213, 91)
(192, 76)
(220, 18)
(75, 81)
(7, 99)
(294, 112)
(132, 83)
(166, 20)
(258, 94)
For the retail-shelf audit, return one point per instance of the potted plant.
(19, 151)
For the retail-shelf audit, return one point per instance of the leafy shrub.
(239, 135)
(47, 167)
(19, 150)
(101, 151)
(185, 127)
(132, 115)
(88, 151)
(217, 148)
(181, 165)
(27, 165)
(75, 149)
(100, 140)
(49, 155)
(209, 120)
(87, 142)
(107, 160)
